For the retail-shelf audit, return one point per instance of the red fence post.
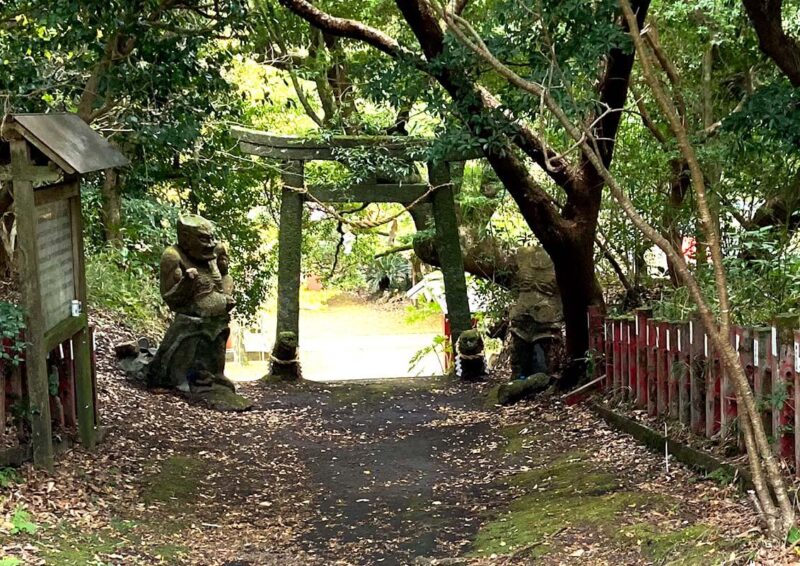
(66, 388)
(625, 333)
(727, 388)
(683, 364)
(652, 368)
(609, 381)
(596, 341)
(662, 368)
(642, 316)
(632, 359)
(796, 358)
(673, 373)
(713, 391)
(746, 359)
(785, 326)
(697, 377)
(616, 326)
(762, 343)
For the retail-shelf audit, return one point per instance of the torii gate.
(295, 152)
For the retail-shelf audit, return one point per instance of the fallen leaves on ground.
(331, 474)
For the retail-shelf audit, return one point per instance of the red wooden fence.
(61, 368)
(671, 370)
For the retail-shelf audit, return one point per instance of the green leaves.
(12, 325)
(21, 522)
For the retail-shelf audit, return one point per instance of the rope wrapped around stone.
(281, 362)
(477, 356)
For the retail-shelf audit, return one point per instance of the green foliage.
(793, 536)
(722, 476)
(21, 522)
(128, 288)
(421, 310)
(10, 561)
(9, 477)
(12, 324)
(388, 272)
(440, 346)
(763, 273)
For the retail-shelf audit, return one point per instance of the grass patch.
(514, 440)
(695, 544)
(66, 545)
(492, 398)
(375, 391)
(9, 477)
(176, 484)
(568, 492)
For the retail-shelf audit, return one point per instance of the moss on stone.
(491, 401)
(176, 484)
(568, 492)
(518, 389)
(223, 399)
(270, 379)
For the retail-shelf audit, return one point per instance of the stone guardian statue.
(536, 317)
(196, 286)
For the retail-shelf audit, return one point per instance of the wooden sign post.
(45, 148)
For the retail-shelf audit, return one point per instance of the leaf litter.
(405, 473)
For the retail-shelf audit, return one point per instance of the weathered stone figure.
(470, 361)
(196, 286)
(536, 316)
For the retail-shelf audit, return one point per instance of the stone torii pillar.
(448, 248)
(285, 362)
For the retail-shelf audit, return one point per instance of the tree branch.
(343, 27)
(613, 89)
(647, 120)
(778, 45)
(651, 36)
(533, 201)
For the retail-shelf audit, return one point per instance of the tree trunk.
(575, 274)
(679, 185)
(111, 202)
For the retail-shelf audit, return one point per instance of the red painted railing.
(672, 370)
(61, 368)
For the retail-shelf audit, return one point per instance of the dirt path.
(397, 472)
(373, 339)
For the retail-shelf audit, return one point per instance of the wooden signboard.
(48, 154)
(54, 229)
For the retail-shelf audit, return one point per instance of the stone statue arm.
(177, 282)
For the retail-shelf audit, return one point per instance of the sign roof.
(69, 142)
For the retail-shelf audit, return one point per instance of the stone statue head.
(196, 237)
(470, 342)
(223, 260)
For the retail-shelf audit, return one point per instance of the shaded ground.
(397, 472)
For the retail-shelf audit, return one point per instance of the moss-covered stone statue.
(196, 286)
(536, 316)
(470, 361)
